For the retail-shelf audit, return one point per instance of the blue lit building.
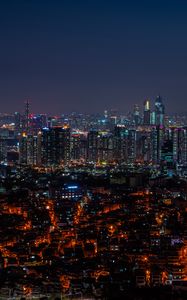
(70, 191)
(159, 111)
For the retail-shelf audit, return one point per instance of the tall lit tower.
(146, 113)
(159, 111)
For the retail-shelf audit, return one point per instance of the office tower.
(75, 145)
(169, 145)
(172, 145)
(153, 118)
(32, 152)
(23, 148)
(28, 149)
(175, 145)
(124, 144)
(18, 121)
(131, 149)
(3, 149)
(78, 145)
(146, 113)
(100, 146)
(178, 136)
(92, 153)
(120, 142)
(159, 111)
(143, 145)
(8, 144)
(55, 145)
(167, 153)
(66, 133)
(105, 147)
(39, 148)
(136, 115)
(183, 146)
(157, 140)
(83, 146)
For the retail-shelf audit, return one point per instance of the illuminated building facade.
(92, 153)
(136, 115)
(55, 145)
(146, 113)
(124, 144)
(28, 149)
(75, 146)
(157, 140)
(159, 111)
(120, 143)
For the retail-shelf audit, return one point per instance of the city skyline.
(109, 110)
(93, 150)
(87, 57)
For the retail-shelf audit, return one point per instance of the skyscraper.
(92, 153)
(28, 149)
(159, 111)
(157, 140)
(136, 115)
(26, 116)
(146, 113)
(55, 145)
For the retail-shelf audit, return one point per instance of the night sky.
(92, 55)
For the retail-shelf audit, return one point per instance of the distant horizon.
(100, 112)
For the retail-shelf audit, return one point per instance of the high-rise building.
(178, 136)
(159, 111)
(136, 115)
(18, 121)
(23, 148)
(146, 113)
(157, 140)
(79, 144)
(28, 149)
(131, 149)
(3, 149)
(167, 153)
(120, 143)
(105, 146)
(183, 146)
(92, 153)
(124, 144)
(143, 144)
(75, 145)
(100, 146)
(55, 145)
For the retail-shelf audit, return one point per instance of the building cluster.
(150, 137)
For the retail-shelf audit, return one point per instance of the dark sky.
(91, 55)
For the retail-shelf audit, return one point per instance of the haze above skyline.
(92, 55)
